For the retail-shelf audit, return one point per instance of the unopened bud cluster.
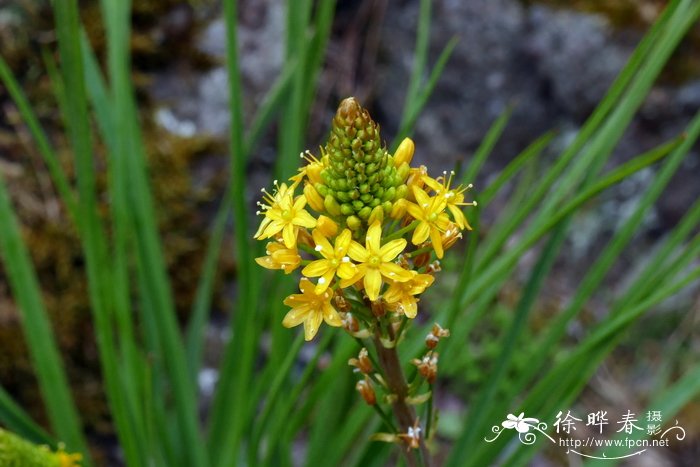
(360, 180)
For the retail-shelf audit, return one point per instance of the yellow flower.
(400, 296)
(284, 214)
(311, 171)
(310, 308)
(280, 257)
(453, 197)
(432, 219)
(375, 261)
(334, 260)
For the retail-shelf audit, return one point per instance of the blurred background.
(550, 60)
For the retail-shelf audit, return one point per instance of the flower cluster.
(362, 223)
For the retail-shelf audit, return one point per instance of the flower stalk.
(367, 231)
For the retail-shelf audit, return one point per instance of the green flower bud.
(353, 222)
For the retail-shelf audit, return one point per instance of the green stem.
(400, 233)
(384, 417)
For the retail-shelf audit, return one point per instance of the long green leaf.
(43, 349)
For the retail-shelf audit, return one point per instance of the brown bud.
(434, 267)
(402, 261)
(432, 339)
(451, 235)
(378, 308)
(422, 259)
(412, 437)
(350, 323)
(427, 366)
(340, 303)
(364, 387)
(362, 362)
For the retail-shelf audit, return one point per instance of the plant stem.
(404, 413)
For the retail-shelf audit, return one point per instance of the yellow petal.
(304, 219)
(324, 281)
(299, 203)
(436, 240)
(393, 293)
(374, 236)
(316, 268)
(266, 262)
(342, 243)
(313, 198)
(395, 272)
(358, 252)
(410, 309)
(459, 217)
(421, 233)
(346, 270)
(432, 183)
(271, 229)
(360, 270)
(392, 249)
(414, 210)
(331, 317)
(421, 282)
(422, 198)
(322, 244)
(443, 222)
(294, 317)
(311, 325)
(263, 225)
(373, 283)
(306, 286)
(289, 234)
